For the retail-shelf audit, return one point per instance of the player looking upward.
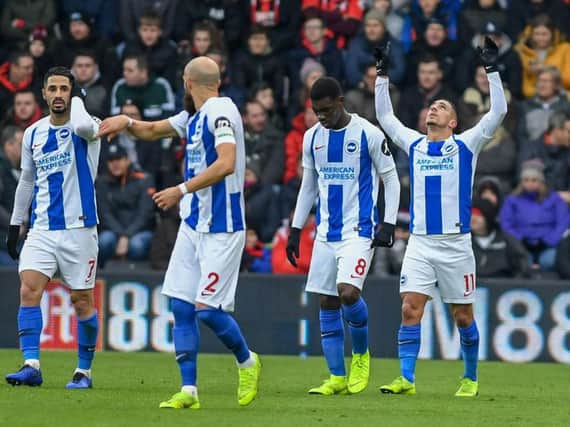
(202, 274)
(344, 157)
(442, 165)
(60, 153)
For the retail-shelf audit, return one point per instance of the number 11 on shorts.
(469, 284)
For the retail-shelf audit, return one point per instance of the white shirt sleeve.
(479, 135)
(25, 188)
(402, 136)
(222, 128)
(179, 122)
(306, 198)
(308, 160)
(83, 124)
(391, 195)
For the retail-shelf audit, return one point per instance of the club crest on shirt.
(63, 133)
(351, 147)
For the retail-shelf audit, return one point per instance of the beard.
(58, 109)
(189, 106)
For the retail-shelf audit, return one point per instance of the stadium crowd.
(129, 54)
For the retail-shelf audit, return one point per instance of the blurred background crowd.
(129, 56)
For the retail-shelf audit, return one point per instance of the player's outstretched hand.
(167, 198)
(112, 126)
(12, 241)
(292, 248)
(382, 56)
(384, 236)
(489, 55)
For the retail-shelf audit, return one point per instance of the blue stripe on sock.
(332, 340)
(87, 331)
(357, 317)
(30, 324)
(409, 338)
(470, 349)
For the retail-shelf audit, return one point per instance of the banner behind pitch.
(519, 321)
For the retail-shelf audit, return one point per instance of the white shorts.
(347, 261)
(204, 267)
(448, 260)
(72, 252)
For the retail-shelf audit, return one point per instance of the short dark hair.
(258, 30)
(141, 60)
(258, 87)
(8, 133)
(86, 52)
(429, 58)
(150, 17)
(15, 57)
(59, 71)
(25, 90)
(251, 102)
(326, 87)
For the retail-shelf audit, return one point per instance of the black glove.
(78, 91)
(382, 55)
(489, 55)
(12, 241)
(292, 247)
(384, 236)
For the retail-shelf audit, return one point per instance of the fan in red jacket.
(294, 140)
(279, 260)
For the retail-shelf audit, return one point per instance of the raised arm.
(83, 124)
(396, 131)
(148, 131)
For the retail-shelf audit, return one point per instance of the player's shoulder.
(311, 133)
(41, 123)
(221, 111)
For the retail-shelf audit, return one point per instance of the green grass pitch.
(129, 386)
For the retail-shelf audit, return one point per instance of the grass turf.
(129, 386)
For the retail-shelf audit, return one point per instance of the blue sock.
(409, 338)
(30, 324)
(332, 340)
(227, 330)
(87, 330)
(357, 317)
(186, 339)
(470, 349)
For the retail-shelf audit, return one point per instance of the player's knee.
(83, 303)
(463, 318)
(348, 294)
(411, 312)
(329, 302)
(30, 295)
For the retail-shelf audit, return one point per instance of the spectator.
(264, 148)
(436, 43)
(281, 18)
(508, 62)
(11, 140)
(421, 95)
(490, 188)
(294, 141)
(421, 11)
(360, 51)
(536, 111)
(394, 21)
(153, 94)
(361, 99)
(521, 12)
(15, 75)
(130, 12)
(562, 257)
(160, 52)
(37, 47)
(126, 209)
(539, 46)
(496, 253)
(477, 13)
(25, 111)
(263, 93)
(317, 45)
(19, 18)
(279, 262)
(105, 14)
(203, 37)
(81, 38)
(553, 149)
(257, 64)
(229, 17)
(342, 18)
(256, 256)
(227, 86)
(388, 261)
(262, 210)
(476, 99)
(87, 75)
(535, 216)
(309, 73)
(163, 239)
